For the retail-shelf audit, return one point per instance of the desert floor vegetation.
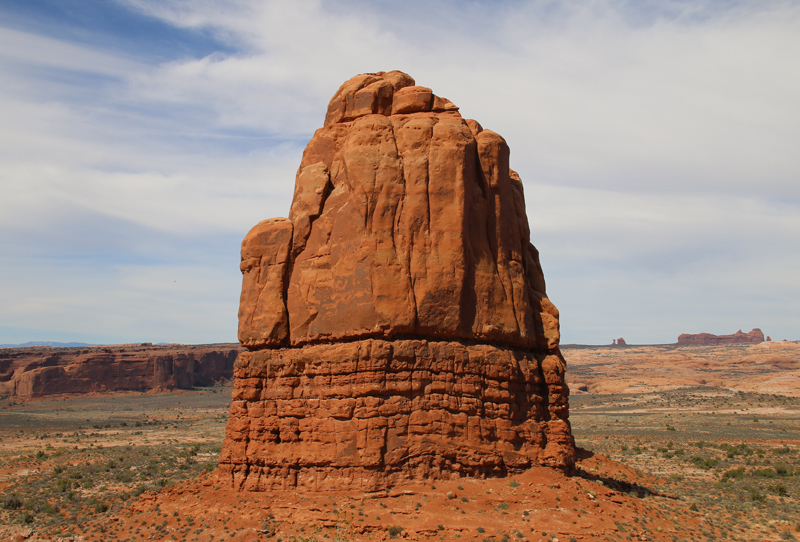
(67, 461)
(690, 463)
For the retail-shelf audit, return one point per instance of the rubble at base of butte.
(396, 323)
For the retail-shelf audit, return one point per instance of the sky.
(658, 141)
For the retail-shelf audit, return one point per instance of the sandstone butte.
(754, 337)
(31, 372)
(396, 323)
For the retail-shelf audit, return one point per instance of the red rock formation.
(39, 371)
(754, 337)
(621, 342)
(398, 318)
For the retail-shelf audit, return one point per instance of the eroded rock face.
(408, 227)
(755, 336)
(31, 372)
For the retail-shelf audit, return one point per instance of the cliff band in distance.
(397, 324)
(753, 337)
(30, 372)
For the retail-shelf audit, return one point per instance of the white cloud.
(657, 141)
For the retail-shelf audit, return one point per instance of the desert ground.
(677, 443)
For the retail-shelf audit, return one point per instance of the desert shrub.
(755, 495)
(781, 470)
(395, 531)
(704, 463)
(765, 472)
(12, 502)
(502, 506)
(780, 490)
(38, 506)
(513, 483)
(733, 473)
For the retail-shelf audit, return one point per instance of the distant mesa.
(45, 343)
(39, 371)
(768, 339)
(618, 342)
(754, 337)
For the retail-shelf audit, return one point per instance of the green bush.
(780, 490)
(704, 463)
(765, 472)
(12, 502)
(733, 473)
(395, 531)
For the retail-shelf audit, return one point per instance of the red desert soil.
(541, 504)
(768, 367)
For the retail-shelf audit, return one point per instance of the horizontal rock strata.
(367, 414)
(36, 372)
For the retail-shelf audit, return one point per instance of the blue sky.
(141, 139)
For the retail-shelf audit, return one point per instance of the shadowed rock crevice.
(407, 227)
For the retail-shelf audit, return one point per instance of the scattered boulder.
(754, 337)
(397, 323)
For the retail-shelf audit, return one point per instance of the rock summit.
(397, 323)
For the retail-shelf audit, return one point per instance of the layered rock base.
(369, 414)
